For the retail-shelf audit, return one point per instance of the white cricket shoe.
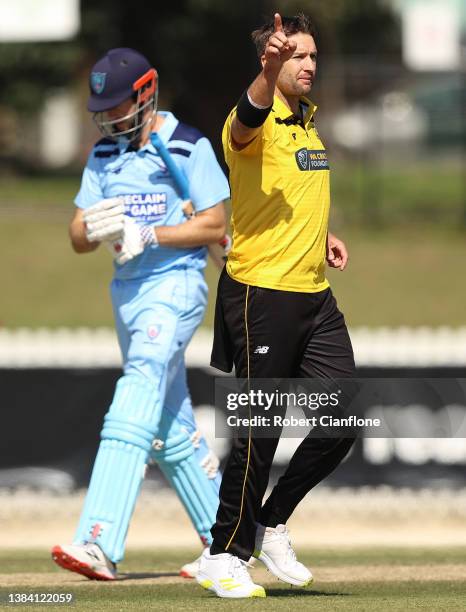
(273, 548)
(191, 570)
(86, 559)
(227, 576)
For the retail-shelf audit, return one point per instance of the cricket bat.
(218, 252)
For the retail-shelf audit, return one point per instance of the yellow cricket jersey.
(280, 196)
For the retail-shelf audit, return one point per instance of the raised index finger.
(278, 22)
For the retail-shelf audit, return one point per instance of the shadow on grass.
(274, 592)
(146, 575)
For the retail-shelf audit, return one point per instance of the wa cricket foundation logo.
(308, 159)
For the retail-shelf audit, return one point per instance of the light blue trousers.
(155, 320)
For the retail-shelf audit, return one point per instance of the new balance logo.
(262, 350)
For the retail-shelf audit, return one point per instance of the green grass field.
(404, 274)
(392, 279)
(362, 580)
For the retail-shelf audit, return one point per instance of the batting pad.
(129, 429)
(199, 494)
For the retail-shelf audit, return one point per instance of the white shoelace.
(237, 569)
(290, 553)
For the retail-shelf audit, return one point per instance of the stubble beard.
(290, 86)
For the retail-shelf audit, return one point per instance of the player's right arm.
(77, 232)
(95, 218)
(256, 103)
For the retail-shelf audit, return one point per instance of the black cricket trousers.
(299, 335)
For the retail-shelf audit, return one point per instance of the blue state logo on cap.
(98, 81)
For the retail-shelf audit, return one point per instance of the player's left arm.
(135, 238)
(337, 253)
(208, 188)
(207, 227)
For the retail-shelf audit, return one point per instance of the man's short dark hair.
(291, 25)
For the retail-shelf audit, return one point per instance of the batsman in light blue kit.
(131, 199)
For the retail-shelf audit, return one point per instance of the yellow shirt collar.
(282, 110)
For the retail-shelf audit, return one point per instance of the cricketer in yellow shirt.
(280, 193)
(275, 315)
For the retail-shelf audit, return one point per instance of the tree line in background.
(201, 49)
(205, 59)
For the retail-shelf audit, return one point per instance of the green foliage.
(351, 28)
(27, 70)
(200, 47)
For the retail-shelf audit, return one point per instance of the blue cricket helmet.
(119, 75)
(112, 78)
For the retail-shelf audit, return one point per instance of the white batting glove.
(132, 242)
(104, 220)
